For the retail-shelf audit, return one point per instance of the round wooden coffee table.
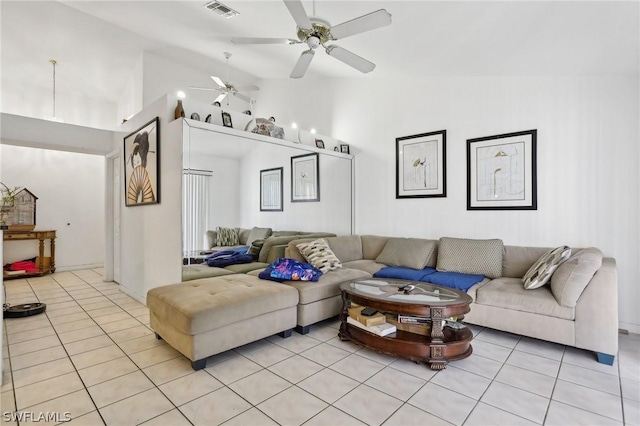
(435, 338)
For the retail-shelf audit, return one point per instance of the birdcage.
(22, 216)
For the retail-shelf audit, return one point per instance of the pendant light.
(54, 118)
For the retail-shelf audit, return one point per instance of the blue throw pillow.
(455, 280)
(403, 273)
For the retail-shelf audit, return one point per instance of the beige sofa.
(589, 322)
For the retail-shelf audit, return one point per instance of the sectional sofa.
(578, 308)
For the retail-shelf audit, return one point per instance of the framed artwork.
(226, 119)
(421, 164)
(271, 190)
(344, 148)
(142, 165)
(501, 172)
(319, 143)
(305, 178)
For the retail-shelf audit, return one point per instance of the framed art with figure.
(421, 165)
(142, 165)
(501, 172)
(271, 190)
(305, 178)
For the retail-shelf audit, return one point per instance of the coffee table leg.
(437, 361)
(343, 335)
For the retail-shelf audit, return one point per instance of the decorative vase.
(179, 110)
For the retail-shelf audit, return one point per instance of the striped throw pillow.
(541, 271)
(319, 255)
(227, 236)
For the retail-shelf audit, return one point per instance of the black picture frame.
(501, 172)
(226, 119)
(271, 189)
(344, 148)
(421, 165)
(142, 165)
(305, 178)
(319, 143)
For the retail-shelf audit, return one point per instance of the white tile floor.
(93, 355)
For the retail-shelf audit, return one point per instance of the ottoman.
(203, 317)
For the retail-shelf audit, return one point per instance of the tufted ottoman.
(203, 317)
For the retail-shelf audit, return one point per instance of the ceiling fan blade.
(218, 81)
(296, 9)
(303, 63)
(247, 88)
(369, 22)
(206, 88)
(243, 97)
(262, 40)
(220, 98)
(350, 59)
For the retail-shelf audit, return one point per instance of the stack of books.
(383, 329)
(375, 323)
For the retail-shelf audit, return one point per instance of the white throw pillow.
(540, 272)
(319, 255)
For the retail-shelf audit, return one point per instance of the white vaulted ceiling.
(98, 42)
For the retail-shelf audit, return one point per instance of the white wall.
(70, 191)
(150, 235)
(588, 132)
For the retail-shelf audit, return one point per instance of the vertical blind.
(195, 208)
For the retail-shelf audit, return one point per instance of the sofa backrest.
(285, 239)
(372, 246)
(516, 260)
(346, 248)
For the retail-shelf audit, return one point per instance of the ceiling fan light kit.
(315, 32)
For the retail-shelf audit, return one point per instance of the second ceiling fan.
(315, 32)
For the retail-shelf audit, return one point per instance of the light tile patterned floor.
(93, 355)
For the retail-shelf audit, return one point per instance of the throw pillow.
(462, 282)
(257, 234)
(572, 277)
(482, 257)
(227, 237)
(256, 246)
(402, 273)
(540, 272)
(318, 254)
(412, 253)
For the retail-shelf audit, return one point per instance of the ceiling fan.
(226, 88)
(315, 32)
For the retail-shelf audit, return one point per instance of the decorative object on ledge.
(271, 190)
(247, 112)
(336, 149)
(216, 103)
(226, 119)
(305, 178)
(179, 112)
(319, 143)
(501, 172)
(195, 116)
(421, 164)
(344, 148)
(142, 165)
(18, 210)
(208, 119)
(262, 126)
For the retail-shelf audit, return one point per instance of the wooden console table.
(35, 235)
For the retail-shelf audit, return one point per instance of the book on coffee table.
(368, 320)
(380, 329)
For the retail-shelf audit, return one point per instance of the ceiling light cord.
(54, 62)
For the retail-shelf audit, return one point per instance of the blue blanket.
(230, 257)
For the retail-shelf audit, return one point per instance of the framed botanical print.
(305, 178)
(501, 172)
(142, 165)
(421, 164)
(271, 190)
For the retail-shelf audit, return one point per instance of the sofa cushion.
(372, 246)
(571, 278)
(516, 260)
(212, 239)
(257, 234)
(256, 246)
(327, 286)
(370, 266)
(286, 239)
(319, 254)
(415, 253)
(470, 256)
(346, 248)
(227, 236)
(202, 270)
(243, 268)
(243, 235)
(508, 293)
(540, 272)
(403, 273)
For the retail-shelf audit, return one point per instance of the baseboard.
(628, 328)
(78, 267)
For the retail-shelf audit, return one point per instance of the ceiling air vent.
(221, 9)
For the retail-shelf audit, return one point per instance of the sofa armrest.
(212, 238)
(596, 323)
(276, 252)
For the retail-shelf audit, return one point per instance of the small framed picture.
(344, 148)
(319, 143)
(226, 119)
